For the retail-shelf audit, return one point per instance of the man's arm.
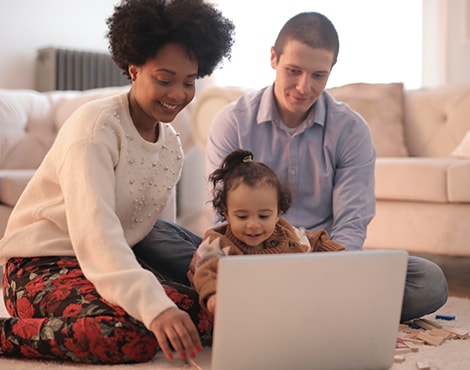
(353, 191)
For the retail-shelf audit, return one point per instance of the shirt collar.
(320, 109)
(268, 111)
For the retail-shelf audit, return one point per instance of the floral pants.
(57, 314)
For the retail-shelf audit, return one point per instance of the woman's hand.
(211, 304)
(174, 326)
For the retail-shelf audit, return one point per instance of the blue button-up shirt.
(328, 161)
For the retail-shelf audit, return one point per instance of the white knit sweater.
(98, 191)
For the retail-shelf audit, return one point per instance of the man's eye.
(320, 75)
(293, 71)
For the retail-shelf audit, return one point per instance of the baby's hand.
(211, 304)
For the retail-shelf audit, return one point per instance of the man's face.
(301, 75)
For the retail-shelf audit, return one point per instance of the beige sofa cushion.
(423, 179)
(463, 149)
(436, 119)
(29, 122)
(381, 105)
(26, 128)
(12, 184)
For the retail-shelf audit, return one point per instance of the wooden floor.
(457, 272)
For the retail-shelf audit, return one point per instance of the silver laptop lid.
(337, 310)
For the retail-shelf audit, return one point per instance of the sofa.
(422, 139)
(29, 121)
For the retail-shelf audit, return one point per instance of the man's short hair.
(312, 29)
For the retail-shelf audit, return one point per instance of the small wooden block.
(423, 365)
(413, 340)
(193, 364)
(440, 333)
(424, 324)
(409, 330)
(412, 347)
(445, 317)
(430, 339)
(401, 351)
(399, 358)
(462, 334)
(431, 322)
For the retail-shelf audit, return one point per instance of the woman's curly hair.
(238, 168)
(138, 29)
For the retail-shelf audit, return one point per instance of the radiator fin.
(65, 69)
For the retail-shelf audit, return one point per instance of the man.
(320, 148)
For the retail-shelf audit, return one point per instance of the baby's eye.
(263, 217)
(242, 217)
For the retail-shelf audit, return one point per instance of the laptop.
(336, 311)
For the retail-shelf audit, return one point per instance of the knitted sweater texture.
(98, 192)
(220, 242)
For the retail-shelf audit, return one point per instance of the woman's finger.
(162, 340)
(175, 331)
(193, 335)
(176, 339)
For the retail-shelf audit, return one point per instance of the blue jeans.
(168, 249)
(425, 289)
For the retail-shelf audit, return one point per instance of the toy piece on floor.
(399, 358)
(423, 331)
(445, 317)
(427, 324)
(402, 350)
(423, 365)
(430, 339)
(460, 333)
(412, 346)
(193, 364)
(440, 333)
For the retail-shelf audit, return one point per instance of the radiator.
(63, 69)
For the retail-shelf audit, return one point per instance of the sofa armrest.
(423, 179)
(12, 184)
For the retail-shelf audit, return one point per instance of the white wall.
(28, 25)
(446, 42)
(458, 67)
(373, 48)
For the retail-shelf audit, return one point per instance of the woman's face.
(165, 84)
(252, 213)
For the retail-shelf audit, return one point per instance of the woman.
(72, 283)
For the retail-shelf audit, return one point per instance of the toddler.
(249, 196)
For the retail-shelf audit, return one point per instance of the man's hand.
(174, 328)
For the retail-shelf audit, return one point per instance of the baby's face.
(252, 213)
